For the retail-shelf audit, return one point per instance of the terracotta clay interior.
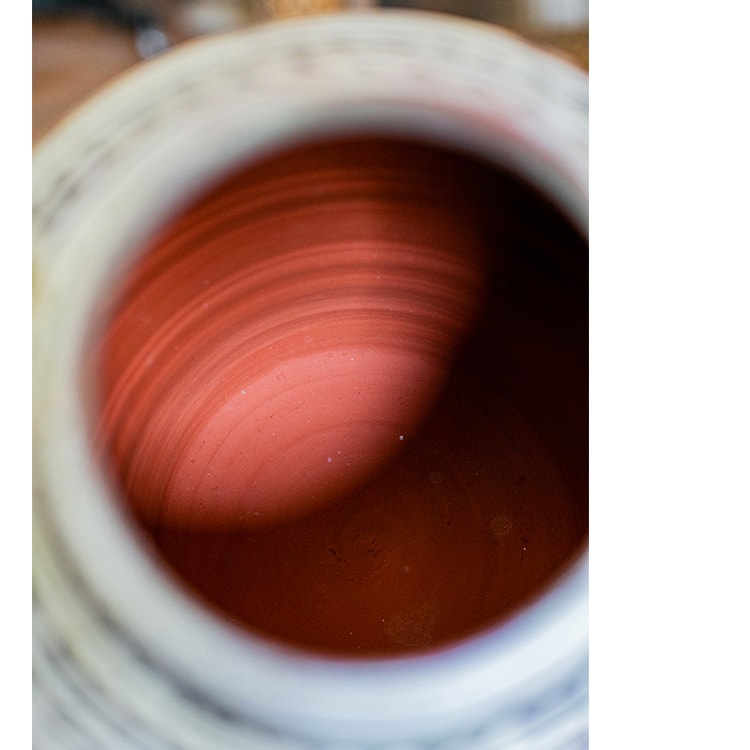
(345, 396)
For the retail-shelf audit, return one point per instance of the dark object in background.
(150, 38)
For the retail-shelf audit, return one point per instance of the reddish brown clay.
(345, 396)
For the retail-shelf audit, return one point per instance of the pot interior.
(343, 396)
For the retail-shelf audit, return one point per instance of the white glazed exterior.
(123, 658)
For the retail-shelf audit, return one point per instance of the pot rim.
(114, 171)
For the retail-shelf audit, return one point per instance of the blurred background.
(78, 45)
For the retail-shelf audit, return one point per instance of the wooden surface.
(70, 60)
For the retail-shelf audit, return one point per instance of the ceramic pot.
(371, 228)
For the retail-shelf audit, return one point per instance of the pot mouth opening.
(341, 398)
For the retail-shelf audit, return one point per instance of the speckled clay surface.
(345, 395)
